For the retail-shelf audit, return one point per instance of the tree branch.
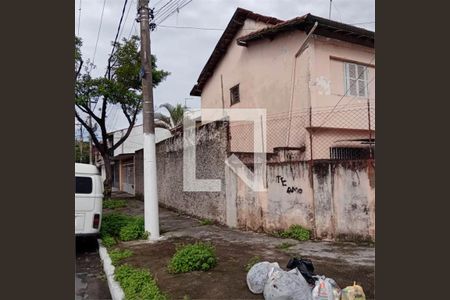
(131, 121)
(91, 133)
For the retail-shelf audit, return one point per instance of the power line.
(169, 12)
(158, 10)
(117, 35)
(165, 9)
(98, 34)
(190, 27)
(126, 17)
(79, 19)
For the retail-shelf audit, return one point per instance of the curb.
(114, 287)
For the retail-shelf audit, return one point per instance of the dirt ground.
(344, 262)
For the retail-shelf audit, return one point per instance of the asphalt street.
(90, 280)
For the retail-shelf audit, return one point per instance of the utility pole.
(151, 214)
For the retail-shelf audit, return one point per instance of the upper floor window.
(356, 80)
(234, 94)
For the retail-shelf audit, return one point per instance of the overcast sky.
(184, 52)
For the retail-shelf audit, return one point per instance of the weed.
(284, 246)
(251, 262)
(193, 257)
(108, 241)
(123, 227)
(206, 222)
(117, 255)
(114, 203)
(296, 232)
(137, 284)
(133, 230)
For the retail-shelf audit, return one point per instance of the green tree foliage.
(81, 152)
(121, 86)
(174, 119)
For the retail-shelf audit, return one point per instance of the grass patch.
(114, 203)
(193, 257)
(122, 227)
(251, 262)
(206, 222)
(296, 232)
(108, 241)
(137, 284)
(117, 255)
(284, 246)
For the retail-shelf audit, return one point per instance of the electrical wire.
(126, 18)
(180, 7)
(99, 29)
(117, 36)
(79, 19)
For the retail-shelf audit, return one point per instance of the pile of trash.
(299, 283)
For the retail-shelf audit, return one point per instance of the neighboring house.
(124, 156)
(264, 62)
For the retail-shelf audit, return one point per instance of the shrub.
(133, 230)
(112, 223)
(254, 260)
(137, 284)
(123, 227)
(108, 241)
(296, 232)
(114, 203)
(193, 257)
(117, 255)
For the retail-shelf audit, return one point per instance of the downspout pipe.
(302, 48)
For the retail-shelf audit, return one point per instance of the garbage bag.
(354, 292)
(305, 266)
(283, 285)
(326, 289)
(258, 275)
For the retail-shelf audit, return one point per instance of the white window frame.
(363, 78)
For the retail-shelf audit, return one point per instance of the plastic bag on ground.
(326, 289)
(354, 292)
(283, 285)
(258, 275)
(305, 266)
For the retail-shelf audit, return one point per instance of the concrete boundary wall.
(339, 203)
(336, 201)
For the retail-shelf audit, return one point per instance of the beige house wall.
(266, 71)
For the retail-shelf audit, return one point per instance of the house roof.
(236, 22)
(325, 27)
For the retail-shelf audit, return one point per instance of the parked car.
(88, 200)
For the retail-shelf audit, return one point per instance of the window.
(349, 153)
(356, 80)
(234, 94)
(83, 185)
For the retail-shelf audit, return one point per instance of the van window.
(83, 185)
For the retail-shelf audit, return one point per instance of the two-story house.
(314, 76)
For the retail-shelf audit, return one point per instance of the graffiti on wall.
(290, 189)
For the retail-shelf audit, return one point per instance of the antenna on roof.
(329, 14)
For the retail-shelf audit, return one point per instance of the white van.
(88, 200)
